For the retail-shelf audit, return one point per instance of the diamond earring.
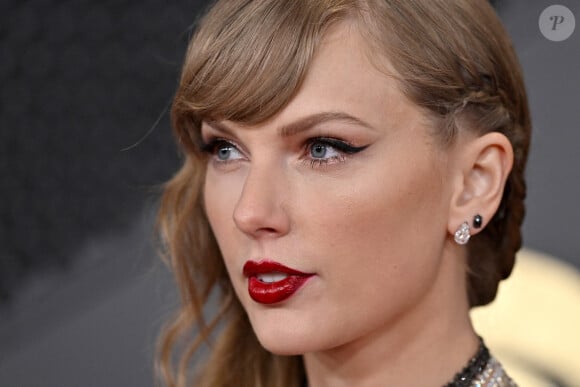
(462, 234)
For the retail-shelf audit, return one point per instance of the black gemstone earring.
(477, 221)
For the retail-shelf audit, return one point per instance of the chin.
(285, 336)
(287, 346)
(283, 350)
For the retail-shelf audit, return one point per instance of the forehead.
(343, 77)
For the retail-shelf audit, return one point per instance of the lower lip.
(271, 293)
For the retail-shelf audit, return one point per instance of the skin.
(388, 295)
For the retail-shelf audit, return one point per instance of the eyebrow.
(220, 127)
(311, 121)
(302, 124)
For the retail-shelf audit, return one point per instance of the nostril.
(259, 212)
(267, 230)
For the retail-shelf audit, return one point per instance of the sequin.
(482, 370)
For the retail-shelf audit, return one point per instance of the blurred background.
(85, 145)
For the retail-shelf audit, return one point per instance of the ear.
(482, 167)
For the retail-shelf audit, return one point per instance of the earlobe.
(486, 162)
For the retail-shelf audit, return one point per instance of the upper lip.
(252, 268)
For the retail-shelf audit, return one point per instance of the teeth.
(271, 277)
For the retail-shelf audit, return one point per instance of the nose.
(260, 211)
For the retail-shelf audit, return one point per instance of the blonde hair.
(245, 63)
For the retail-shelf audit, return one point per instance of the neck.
(426, 345)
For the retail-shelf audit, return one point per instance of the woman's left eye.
(324, 150)
(321, 151)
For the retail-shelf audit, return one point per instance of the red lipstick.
(270, 282)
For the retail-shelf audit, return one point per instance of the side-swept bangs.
(247, 61)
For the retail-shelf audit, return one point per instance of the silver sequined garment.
(493, 375)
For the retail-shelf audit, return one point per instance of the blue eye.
(226, 151)
(223, 151)
(327, 150)
(323, 150)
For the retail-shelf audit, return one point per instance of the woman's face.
(346, 185)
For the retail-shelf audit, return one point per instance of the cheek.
(216, 201)
(221, 194)
(220, 198)
(385, 226)
(382, 201)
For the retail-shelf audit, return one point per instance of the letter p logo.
(557, 23)
(557, 20)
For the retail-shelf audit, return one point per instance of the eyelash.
(211, 147)
(344, 149)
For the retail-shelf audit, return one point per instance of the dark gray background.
(82, 292)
